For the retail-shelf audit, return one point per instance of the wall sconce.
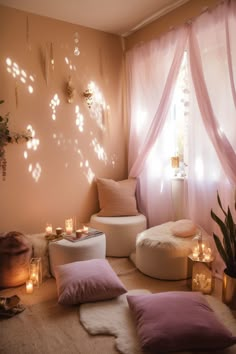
(88, 94)
(201, 259)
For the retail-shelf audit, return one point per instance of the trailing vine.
(7, 137)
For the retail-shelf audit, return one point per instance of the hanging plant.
(6, 137)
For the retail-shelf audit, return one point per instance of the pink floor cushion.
(87, 281)
(15, 254)
(178, 321)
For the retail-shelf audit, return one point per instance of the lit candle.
(85, 229)
(48, 229)
(33, 277)
(195, 252)
(202, 283)
(207, 254)
(33, 273)
(29, 286)
(69, 226)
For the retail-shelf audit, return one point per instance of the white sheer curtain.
(212, 125)
(152, 73)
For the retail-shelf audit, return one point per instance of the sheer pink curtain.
(152, 73)
(212, 126)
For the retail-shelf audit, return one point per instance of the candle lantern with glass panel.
(201, 260)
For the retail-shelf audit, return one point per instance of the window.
(179, 121)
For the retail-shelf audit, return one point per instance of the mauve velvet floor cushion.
(178, 321)
(15, 254)
(87, 281)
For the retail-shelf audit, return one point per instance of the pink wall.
(56, 180)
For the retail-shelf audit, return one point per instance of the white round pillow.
(184, 228)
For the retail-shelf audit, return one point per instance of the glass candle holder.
(59, 231)
(35, 271)
(202, 278)
(69, 226)
(48, 229)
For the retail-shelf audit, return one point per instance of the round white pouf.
(161, 255)
(64, 251)
(120, 231)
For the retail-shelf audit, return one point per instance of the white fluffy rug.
(114, 318)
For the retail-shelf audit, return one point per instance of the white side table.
(64, 251)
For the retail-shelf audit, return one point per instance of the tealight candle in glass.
(29, 286)
(69, 226)
(48, 229)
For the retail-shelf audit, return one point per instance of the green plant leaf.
(220, 204)
(221, 251)
(231, 227)
(229, 246)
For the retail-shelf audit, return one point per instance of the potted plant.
(227, 250)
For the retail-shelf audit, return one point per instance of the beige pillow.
(184, 228)
(117, 198)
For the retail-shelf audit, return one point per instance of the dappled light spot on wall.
(88, 172)
(30, 89)
(76, 44)
(61, 141)
(32, 145)
(36, 171)
(81, 156)
(90, 175)
(113, 160)
(99, 150)
(70, 65)
(55, 102)
(34, 142)
(79, 119)
(58, 138)
(21, 74)
(97, 104)
(84, 164)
